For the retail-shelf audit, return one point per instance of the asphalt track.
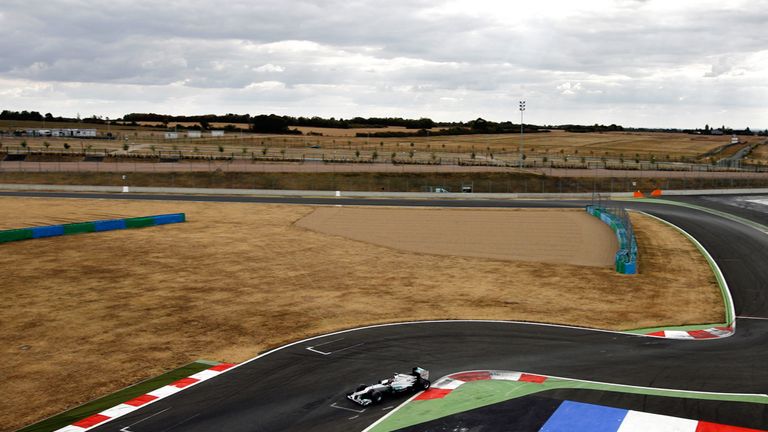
(297, 389)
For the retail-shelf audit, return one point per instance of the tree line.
(282, 124)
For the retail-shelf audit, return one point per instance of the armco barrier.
(48, 231)
(15, 235)
(79, 228)
(87, 227)
(140, 222)
(626, 257)
(109, 225)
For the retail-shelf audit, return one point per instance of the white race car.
(416, 381)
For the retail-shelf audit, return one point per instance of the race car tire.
(424, 384)
(375, 397)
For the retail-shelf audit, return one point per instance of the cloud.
(569, 89)
(269, 67)
(459, 59)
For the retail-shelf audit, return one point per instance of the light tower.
(522, 108)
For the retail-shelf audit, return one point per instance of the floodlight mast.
(522, 156)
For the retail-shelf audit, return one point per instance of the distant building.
(194, 134)
(217, 133)
(67, 133)
(39, 132)
(171, 135)
(734, 139)
(716, 132)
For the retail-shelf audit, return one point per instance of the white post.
(522, 108)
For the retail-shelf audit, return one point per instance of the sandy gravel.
(86, 315)
(547, 236)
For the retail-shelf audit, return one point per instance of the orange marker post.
(638, 194)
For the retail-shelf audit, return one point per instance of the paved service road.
(298, 389)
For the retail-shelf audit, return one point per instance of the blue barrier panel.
(110, 225)
(48, 231)
(630, 268)
(626, 257)
(169, 218)
(86, 227)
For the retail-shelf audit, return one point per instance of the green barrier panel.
(15, 235)
(79, 228)
(140, 222)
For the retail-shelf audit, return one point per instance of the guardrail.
(618, 219)
(87, 227)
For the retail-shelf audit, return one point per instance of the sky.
(640, 63)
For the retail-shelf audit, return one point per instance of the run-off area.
(495, 403)
(150, 300)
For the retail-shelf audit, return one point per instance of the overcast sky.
(648, 63)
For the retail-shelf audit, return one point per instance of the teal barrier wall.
(626, 257)
(87, 227)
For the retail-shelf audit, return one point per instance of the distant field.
(555, 144)
(760, 153)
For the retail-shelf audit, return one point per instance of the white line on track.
(752, 318)
(333, 405)
(125, 429)
(312, 348)
(391, 413)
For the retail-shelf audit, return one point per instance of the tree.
(264, 151)
(221, 148)
(269, 124)
(46, 144)
(374, 155)
(357, 153)
(66, 146)
(125, 147)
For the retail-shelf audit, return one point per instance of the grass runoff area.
(481, 182)
(97, 312)
(476, 394)
(68, 417)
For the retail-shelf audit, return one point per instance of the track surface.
(297, 389)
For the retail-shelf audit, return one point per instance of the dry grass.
(342, 142)
(86, 315)
(760, 153)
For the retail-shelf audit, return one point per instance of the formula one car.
(416, 381)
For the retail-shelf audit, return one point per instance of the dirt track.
(546, 236)
(88, 314)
